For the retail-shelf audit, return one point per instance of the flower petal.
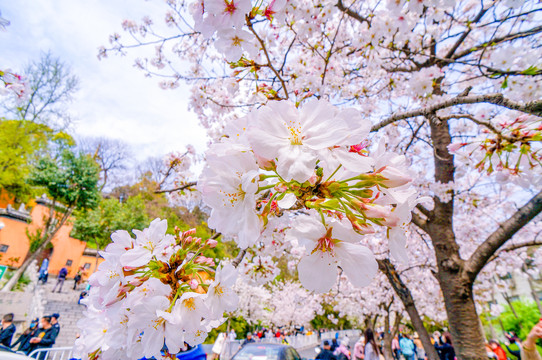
(318, 271)
(358, 263)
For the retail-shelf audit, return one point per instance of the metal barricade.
(60, 353)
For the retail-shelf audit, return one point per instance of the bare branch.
(533, 107)
(499, 40)
(466, 32)
(506, 230)
(239, 258)
(180, 188)
(514, 247)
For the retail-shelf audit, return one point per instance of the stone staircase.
(65, 304)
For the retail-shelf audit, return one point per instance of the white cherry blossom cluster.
(227, 18)
(153, 295)
(259, 270)
(12, 83)
(311, 163)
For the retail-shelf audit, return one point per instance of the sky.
(115, 99)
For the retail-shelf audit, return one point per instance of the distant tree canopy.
(134, 207)
(23, 144)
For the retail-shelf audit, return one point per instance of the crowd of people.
(40, 334)
(404, 346)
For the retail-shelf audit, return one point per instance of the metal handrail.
(59, 353)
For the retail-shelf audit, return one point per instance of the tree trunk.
(408, 302)
(49, 235)
(455, 284)
(97, 258)
(386, 348)
(533, 293)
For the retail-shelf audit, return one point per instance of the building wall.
(87, 259)
(13, 234)
(65, 248)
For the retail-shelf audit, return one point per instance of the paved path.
(65, 304)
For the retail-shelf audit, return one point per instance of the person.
(446, 350)
(44, 270)
(420, 352)
(514, 340)
(342, 352)
(283, 339)
(326, 353)
(218, 345)
(232, 336)
(248, 339)
(346, 340)
(395, 348)
(61, 278)
(358, 349)
(407, 347)
(24, 339)
(371, 349)
(8, 329)
(497, 349)
(490, 354)
(334, 344)
(77, 278)
(44, 337)
(56, 325)
(528, 347)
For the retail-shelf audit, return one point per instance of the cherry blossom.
(135, 307)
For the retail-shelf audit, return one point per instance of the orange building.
(15, 225)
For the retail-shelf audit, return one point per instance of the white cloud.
(115, 99)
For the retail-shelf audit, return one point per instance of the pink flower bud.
(211, 244)
(193, 284)
(264, 163)
(189, 232)
(456, 146)
(376, 211)
(394, 177)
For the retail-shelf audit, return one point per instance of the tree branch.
(496, 41)
(239, 258)
(506, 230)
(419, 221)
(514, 247)
(352, 13)
(533, 107)
(466, 32)
(183, 187)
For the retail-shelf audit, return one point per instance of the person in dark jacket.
(61, 278)
(326, 353)
(446, 350)
(24, 340)
(45, 336)
(56, 325)
(7, 330)
(248, 339)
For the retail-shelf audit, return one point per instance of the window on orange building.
(3, 248)
(86, 266)
(69, 263)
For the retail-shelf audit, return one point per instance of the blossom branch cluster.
(515, 149)
(13, 84)
(310, 163)
(153, 295)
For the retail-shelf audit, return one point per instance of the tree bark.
(533, 293)
(49, 235)
(386, 348)
(408, 302)
(456, 286)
